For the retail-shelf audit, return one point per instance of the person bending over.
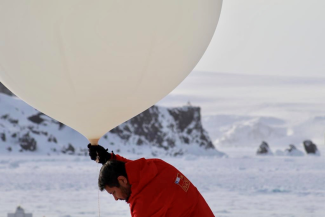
(152, 187)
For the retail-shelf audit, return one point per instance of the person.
(152, 187)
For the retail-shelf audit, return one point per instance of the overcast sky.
(282, 37)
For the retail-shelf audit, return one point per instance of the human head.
(113, 178)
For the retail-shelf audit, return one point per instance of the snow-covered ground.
(238, 111)
(240, 185)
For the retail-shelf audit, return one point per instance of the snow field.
(63, 186)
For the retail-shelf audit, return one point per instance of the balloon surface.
(94, 64)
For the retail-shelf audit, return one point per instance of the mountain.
(174, 130)
(156, 131)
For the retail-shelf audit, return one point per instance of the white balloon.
(94, 64)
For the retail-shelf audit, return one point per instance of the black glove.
(99, 153)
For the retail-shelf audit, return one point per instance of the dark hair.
(109, 172)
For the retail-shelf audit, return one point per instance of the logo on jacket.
(183, 182)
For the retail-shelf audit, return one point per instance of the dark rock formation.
(52, 139)
(184, 118)
(3, 137)
(37, 119)
(291, 148)
(310, 147)
(9, 119)
(4, 116)
(5, 90)
(27, 143)
(165, 128)
(68, 150)
(188, 121)
(264, 149)
(61, 125)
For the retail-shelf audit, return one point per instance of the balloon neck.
(93, 141)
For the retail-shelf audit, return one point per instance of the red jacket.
(159, 190)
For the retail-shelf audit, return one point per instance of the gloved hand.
(99, 153)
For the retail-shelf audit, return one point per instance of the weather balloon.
(94, 64)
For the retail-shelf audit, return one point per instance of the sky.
(275, 37)
(287, 97)
(268, 39)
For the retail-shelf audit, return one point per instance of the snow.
(234, 186)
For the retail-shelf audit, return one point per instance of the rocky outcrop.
(3, 137)
(68, 150)
(169, 129)
(27, 143)
(264, 149)
(40, 118)
(293, 151)
(188, 122)
(310, 147)
(37, 118)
